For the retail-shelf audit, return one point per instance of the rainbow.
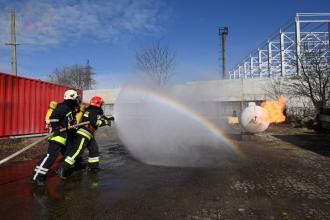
(183, 109)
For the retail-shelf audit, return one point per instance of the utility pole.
(13, 43)
(328, 42)
(298, 44)
(223, 32)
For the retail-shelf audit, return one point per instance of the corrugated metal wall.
(24, 103)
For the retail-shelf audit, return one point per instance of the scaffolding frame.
(273, 57)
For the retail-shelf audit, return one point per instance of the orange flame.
(275, 109)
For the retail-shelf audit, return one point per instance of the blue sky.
(110, 32)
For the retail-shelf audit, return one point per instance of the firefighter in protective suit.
(84, 138)
(63, 116)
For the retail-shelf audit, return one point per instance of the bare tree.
(77, 76)
(310, 88)
(275, 88)
(157, 63)
(313, 80)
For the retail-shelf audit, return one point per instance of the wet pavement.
(276, 180)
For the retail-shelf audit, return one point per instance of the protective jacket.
(62, 117)
(96, 118)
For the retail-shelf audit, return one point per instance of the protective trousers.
(56, 144)
(47, 161)
(84, 139)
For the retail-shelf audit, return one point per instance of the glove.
(111, 118)
(56, 132)
(107, 121)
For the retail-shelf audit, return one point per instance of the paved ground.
(285, 176)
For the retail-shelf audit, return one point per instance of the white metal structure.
(274, 56)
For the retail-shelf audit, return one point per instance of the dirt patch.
(10, 146)
(302, 138)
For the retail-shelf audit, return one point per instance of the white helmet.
(70, 94)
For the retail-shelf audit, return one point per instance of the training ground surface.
(285, 175)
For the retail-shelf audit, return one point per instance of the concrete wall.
(109, 95)
(231, 90)
(228, 95)
(216, 90)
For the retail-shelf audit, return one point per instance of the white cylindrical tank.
(254, 118)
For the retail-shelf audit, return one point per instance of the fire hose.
(37, 142)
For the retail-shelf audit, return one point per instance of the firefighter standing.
(84, 137)
(63, 116)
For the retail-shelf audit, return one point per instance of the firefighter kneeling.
(84, 138)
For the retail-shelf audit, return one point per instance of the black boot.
(94, 170)
(39, 180)
(61, 173)
(79, 164)
(94, 167)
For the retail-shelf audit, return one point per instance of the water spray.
(170, 127)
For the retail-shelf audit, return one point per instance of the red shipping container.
(24, 103)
